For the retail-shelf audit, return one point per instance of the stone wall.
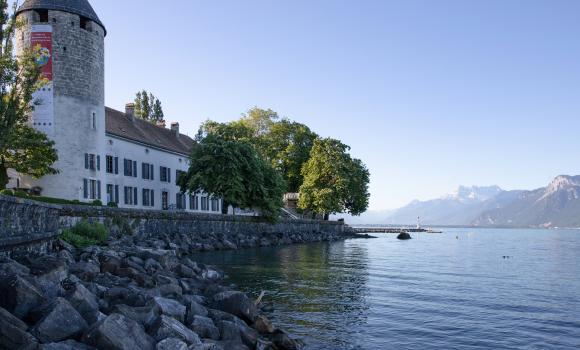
(25, 222)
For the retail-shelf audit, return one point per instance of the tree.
(234, 171)
(21, 148)
(148, 107)
(334, 182)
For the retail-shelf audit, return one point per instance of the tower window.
(86, 23)
(94, 121)
(41, 16)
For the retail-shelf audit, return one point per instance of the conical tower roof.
(78, 7)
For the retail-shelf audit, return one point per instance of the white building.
(103, 154)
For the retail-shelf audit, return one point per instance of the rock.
(170, 290)
(229, 331)
(207, 346)
(86, 271)
(117, 332)
(210, 274)
(195, 309)
(171, 344)
(145, 315)
(10, 267)
(13, 333)
(18, 296)
(205, 327)
(85, 302)
(66, 345)
(168, 327)
(152, 266)
(282, 341)
(50, 271)
(236, 303)
(404, 236)
(60, 321)
(170, 308)
(263, 325)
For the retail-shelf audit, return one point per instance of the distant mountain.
(457, 208)
(557, 205)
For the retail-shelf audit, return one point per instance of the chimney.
(160, 123)
(175, 128)
(130, 111)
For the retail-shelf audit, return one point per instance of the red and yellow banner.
(41, 42)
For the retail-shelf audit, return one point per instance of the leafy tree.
(334, 182)
(148, 107)
(234, 171)
(21, 147)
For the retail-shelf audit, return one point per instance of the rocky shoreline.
(133, 293)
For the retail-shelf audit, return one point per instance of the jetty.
(397, 230)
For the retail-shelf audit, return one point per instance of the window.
(180, 201)
(164, 174)
(91, 189)
(148, 198)
(92, 161)
(147, 171)
(94, 121)
(130, 167)
(112, 194)
(131, 195)
(178, 175)
(215, 204)
(112, 164)
(41, 16)
(204, 204)
(164, 200)
(86, 24)
(193, 202)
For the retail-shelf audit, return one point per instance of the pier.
(397, 230)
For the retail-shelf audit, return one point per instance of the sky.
(429, 94)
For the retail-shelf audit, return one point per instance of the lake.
(462, 289)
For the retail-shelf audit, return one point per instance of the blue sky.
(430, 94)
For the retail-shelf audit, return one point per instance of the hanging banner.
(43, 99)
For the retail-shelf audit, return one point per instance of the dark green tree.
(148, 107)
(234, 171)
(21, 147)
(334, 182)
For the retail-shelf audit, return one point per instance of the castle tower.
(70, 40)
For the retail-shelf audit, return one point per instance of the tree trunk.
(3, 176)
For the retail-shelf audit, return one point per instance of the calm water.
(433, 292)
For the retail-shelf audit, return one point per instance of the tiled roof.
(139, 130)
(78, 7)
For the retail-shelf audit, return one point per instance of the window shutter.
(143, 197)
(134, 168)
(135, 194)
(151, 171)
(86, 160)
(99, 189)
(152, 198)
(85, 188)
(143, 165)
(169, 175)
(125, 170)
(116, 165)
(98, 163)
(116, 200)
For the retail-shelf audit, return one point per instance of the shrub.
(7, 192)
(20, 194)
(97, 202)
(112, 205)
(84, 234)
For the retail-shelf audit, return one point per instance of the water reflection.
(318, 286)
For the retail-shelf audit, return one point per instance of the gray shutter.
(98, 163)
(99, 189)
(116, 165)
(125, 170)
(85, 188)
(143, 165)
(134, 168)
(169, 175)
(135, 194)
(152, 198)
(86, 160)
(116, 200)
(151, 172)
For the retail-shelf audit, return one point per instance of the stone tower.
(68, 37)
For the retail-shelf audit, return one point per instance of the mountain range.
(556, 205)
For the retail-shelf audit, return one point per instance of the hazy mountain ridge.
(556, 205)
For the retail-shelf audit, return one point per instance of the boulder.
(170, 308)
(205, 327)
(168, 327)
(404, 236)
(85, 302)
(117, 332)
(13, 333)
(229, 331)
(59, 321)
(282, 341)
(10, 267)
(86, 271)
(18, 295)
(207, 346)
(145, 315)
(236, 303)
(171, 344)
(263, 325)
(66, 345)
(195, 309)
(49, 271)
